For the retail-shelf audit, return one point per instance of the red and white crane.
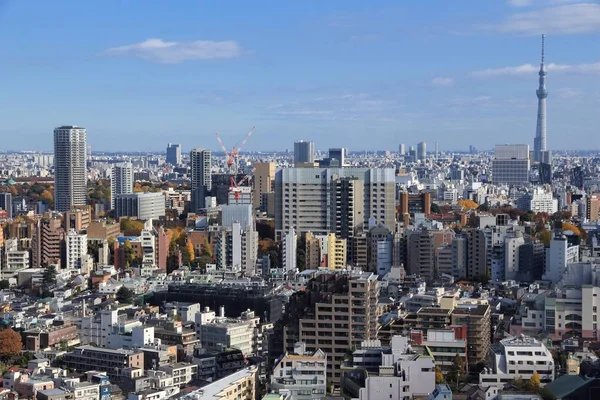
(233, 163)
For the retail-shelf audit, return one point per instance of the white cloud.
(442, 81)
(157, 50)
(529, 69)
(568, 93)
(520, 3)
(563, 19)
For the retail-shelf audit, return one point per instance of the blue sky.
(364, 75)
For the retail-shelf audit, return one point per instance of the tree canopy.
(125, 295)
(10, 343)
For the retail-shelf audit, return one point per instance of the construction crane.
(235, 188)
(232, 162)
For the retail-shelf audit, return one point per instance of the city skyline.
(332, 73)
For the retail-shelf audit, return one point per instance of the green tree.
(457, 371)
(49, 276)
(125, 295)
(4, 284)
(435, 209)
(546, 394)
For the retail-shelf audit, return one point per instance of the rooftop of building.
(434, 311)
(212, 390)
(85, 348)
(478, 310)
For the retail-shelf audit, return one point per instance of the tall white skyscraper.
(539, 143)
(121, 181)
(304, 152)
(200, 163)
(422, 151)
(70, 173)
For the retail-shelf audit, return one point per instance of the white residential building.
(402, 374)
(517, 357)
(539, 200)
(121, 181)
(216, 333)
(148, 242)
(512, 242)
(290, 243)
(76, 249)
(303, 375)
(558, 256)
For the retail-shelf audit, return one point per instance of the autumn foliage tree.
(10, 343)
(467, 204)
(439, 375)
(534, 381)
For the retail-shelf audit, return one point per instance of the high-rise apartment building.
(76, 249)
(511, 164)
(173, 154)
(52, 241)
(304, 152)
(303, 199)
(290, 245)
(70, 173)
(200, 163)
(336, 312)
(121, 181)
(402, 149)
(422, 151)
(6, 203)
(262, 180)
(348, 195)
(477, 250)
(339, 155)
(421, 254)
(592, 209)
(478, 322)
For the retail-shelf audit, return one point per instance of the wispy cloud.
(442, 81)
(520, 3)
(568, 93)
(157, 50)
(562, 19)
(529, 69)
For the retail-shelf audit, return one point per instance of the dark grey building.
(304, 152)
(174, 154)
(6, 203)
(532, 258)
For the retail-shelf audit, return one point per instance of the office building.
(337, 156)
(304, 152)
(539, 142)
(518, 357)
(303, 198)
(421, 151)
(343, 304)
(411, 203)
(121, 181)
(301, 374)
(70, 173)
(142, 206)
(237, 213)
(78, 218)
(173, 154)
(76, 246)
(6, 204)
(201, 179)
(511, 164)
(262, 183)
